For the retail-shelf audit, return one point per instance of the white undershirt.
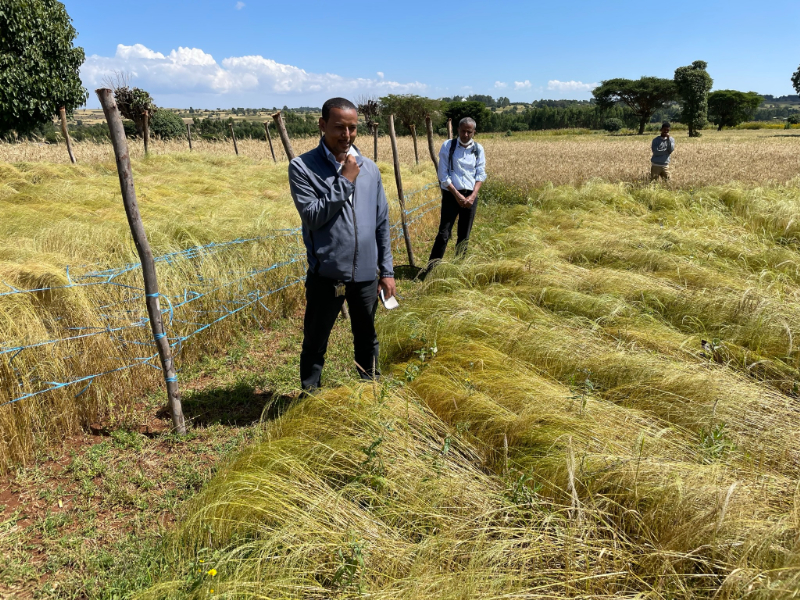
(339, 165)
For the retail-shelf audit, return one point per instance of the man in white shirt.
(462, 171)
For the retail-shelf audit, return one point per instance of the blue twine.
(171, 379)
(133, 319)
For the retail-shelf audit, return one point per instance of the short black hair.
(340, 103)
(665, 124)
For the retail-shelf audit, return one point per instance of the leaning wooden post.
(233, 135)
(429, 129)
(375, 142)
(189, 134)
(287, 144)
(122, 155)
(449, 129)
(62, 111)
(146, 130)
(269, 139)
(414, 137)
(400, 196)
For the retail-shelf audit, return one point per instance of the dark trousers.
(452, 210)
(322, 308)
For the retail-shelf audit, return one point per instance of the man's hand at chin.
(388, 286)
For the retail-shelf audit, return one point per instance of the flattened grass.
(555, 379)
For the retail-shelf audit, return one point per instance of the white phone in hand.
(390, 303)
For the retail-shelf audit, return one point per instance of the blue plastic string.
(125, 319)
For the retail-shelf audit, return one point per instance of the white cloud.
(500, 85)
(190, 70)
(570, 86)
(137, 51)
(522, 85)
(240, 5)
(380, 74)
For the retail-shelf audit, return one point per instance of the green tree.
(38, 64)
(612, 124)
(487, 100)
(166, 125)
(409, 109)
(643, 96)
(476, 110)
(796, 80)
(134, 103)
(694, 83)
(728, 108)
(370, 108)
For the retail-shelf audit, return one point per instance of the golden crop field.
(530, 158)
(599, 401)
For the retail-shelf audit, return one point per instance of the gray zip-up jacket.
(345, 240)
(661, 150)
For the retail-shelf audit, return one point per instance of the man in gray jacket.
(340, 198)
(662, 147)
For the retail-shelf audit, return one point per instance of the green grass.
(552, 425)
(599, 401)
(92, 516)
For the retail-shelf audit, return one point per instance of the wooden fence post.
(449, 129)
(146, 130)
(65, 132)
(269, 139)
(233, 135)
(400, 196)
(287, 144)
(122, 155)
(189, 135)
(375, 142)
(414, 137)
(431, 149)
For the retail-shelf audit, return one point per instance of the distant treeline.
(297, 125)
(576, 115)
(501, 116)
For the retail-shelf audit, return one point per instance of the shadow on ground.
(406, 272)
(239, 405)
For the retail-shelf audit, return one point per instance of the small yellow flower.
(211, 572)
(202, 561)
(211, 591)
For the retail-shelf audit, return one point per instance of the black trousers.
(452, 210)
(322, 308)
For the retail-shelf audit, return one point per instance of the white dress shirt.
(351, 151)
(467, 168)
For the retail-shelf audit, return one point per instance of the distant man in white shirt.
(462, 171)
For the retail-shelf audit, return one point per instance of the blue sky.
(251, 53)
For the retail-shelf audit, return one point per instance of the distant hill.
(790, 100)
